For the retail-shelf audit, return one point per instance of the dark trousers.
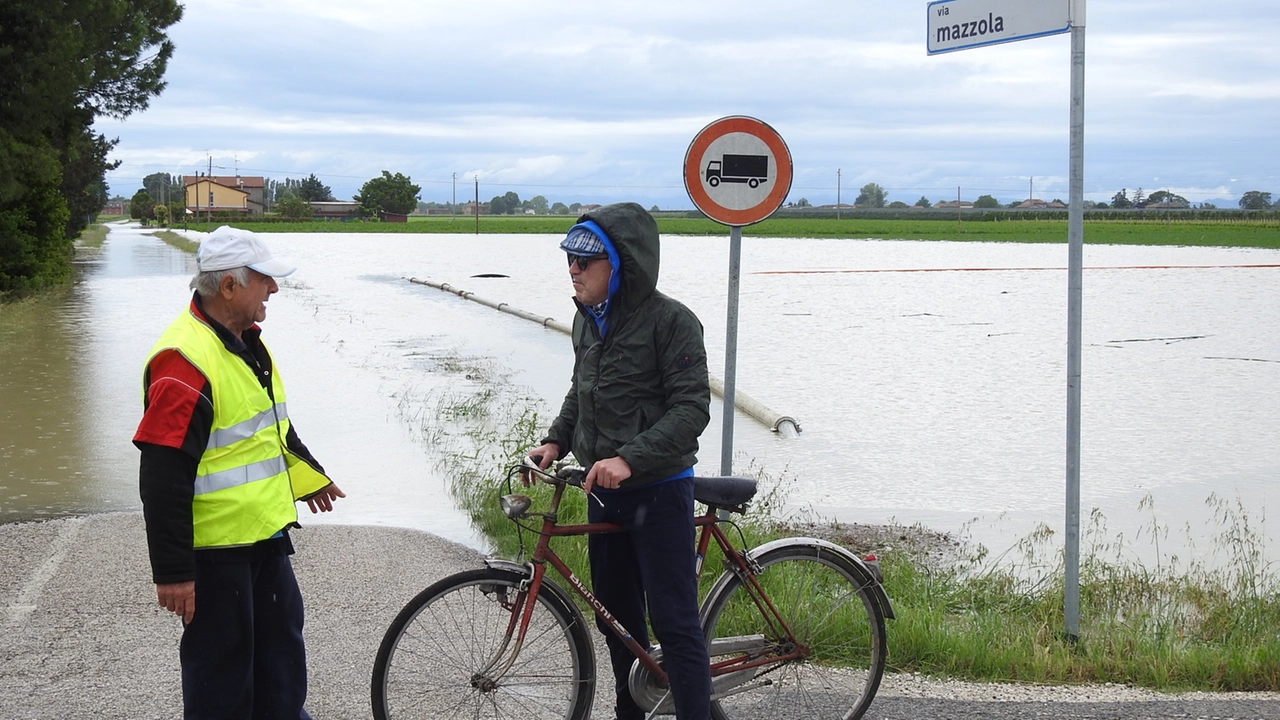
(242, 654)
(653, 561)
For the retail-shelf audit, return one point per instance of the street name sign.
(737, 171)
(963, 24)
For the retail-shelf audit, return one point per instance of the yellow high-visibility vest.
(247, 481)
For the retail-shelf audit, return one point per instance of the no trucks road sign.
(737, 171)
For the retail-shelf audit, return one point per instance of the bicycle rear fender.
(867, 577)
(548, 585)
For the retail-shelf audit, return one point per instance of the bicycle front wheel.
(837, 625)
(451, 652)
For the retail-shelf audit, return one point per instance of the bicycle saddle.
(730, 493)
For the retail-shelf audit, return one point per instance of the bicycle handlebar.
(567, 475)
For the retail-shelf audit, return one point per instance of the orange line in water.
(1007, 269)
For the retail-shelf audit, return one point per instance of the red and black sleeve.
(173, 434)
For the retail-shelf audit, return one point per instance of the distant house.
(1167, 205)
(953, 204)
(225, 193)
(207, 195)
(588, 208)
(394, 217)
(470, 209)
(1035, 204)
(114, 207)
(336, 210)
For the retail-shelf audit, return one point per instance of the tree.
(538, 204)
(389, 194)
(560, 209)
(1255, 200)
(1120, 200)
(986, 201)
(923, 202)
(803, 202)
(294, 208)
(1164, 196)
(142, 206)
(1139, 198)
(312, 190)
(575, 207)
(162, 186)
(897, 205)
(654, 209)
(871, 195)
(161, 214)
(65, 64)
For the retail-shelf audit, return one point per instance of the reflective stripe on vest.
(242, 488)
(247, 429)
(252, 472)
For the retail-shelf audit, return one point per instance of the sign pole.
(1075, 296)
(731, 349)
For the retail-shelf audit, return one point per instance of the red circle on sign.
(693, 170)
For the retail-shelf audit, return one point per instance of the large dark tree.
(312, 190)
(1255, 200)
(63, 64)
(389, 193)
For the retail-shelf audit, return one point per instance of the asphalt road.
(81, 636)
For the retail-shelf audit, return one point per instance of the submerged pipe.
(784, 425)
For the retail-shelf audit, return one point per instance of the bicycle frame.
(709, 529)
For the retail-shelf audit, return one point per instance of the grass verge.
(179, 241)
(1211, 624)
(1211, 233)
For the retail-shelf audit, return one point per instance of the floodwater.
(928, 377)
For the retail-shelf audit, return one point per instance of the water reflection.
(931, 397)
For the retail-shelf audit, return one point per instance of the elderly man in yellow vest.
(221, 469)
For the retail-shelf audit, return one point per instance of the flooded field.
(929, 378)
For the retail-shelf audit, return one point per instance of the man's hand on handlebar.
(608, 473)
(541, 457)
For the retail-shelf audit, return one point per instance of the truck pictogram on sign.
(749, 169)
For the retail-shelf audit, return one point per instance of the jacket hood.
(633, 233)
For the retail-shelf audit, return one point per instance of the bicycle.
(795, 628)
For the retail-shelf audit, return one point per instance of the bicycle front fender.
(548, 585)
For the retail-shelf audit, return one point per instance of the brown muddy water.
(933, 397)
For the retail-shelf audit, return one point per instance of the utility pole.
(1031, 187)
(477, 177)
(837, 193)
(453, 206)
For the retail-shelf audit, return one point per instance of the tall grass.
(1209, 622)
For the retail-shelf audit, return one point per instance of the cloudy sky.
(598, 100)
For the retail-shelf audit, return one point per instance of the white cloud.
(603, 98)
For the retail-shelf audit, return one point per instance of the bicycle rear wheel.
(447, 652)
(825, 600)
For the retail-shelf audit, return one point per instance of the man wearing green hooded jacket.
(637, 402)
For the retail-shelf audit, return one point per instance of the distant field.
(1260, 234)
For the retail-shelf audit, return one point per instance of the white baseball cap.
(228, 247)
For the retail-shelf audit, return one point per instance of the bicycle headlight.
(515, 506)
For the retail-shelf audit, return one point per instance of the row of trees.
(63, 64)
(875, 196)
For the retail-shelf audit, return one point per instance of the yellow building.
(217, 193)
(204, 195)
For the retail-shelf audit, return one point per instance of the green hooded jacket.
(641, 391)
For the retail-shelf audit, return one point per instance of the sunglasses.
(584, 260)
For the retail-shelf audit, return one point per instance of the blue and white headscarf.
(587, 238)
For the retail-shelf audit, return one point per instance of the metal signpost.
(963, 24)
(737, 171)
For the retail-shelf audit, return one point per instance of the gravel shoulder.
(82, 637)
